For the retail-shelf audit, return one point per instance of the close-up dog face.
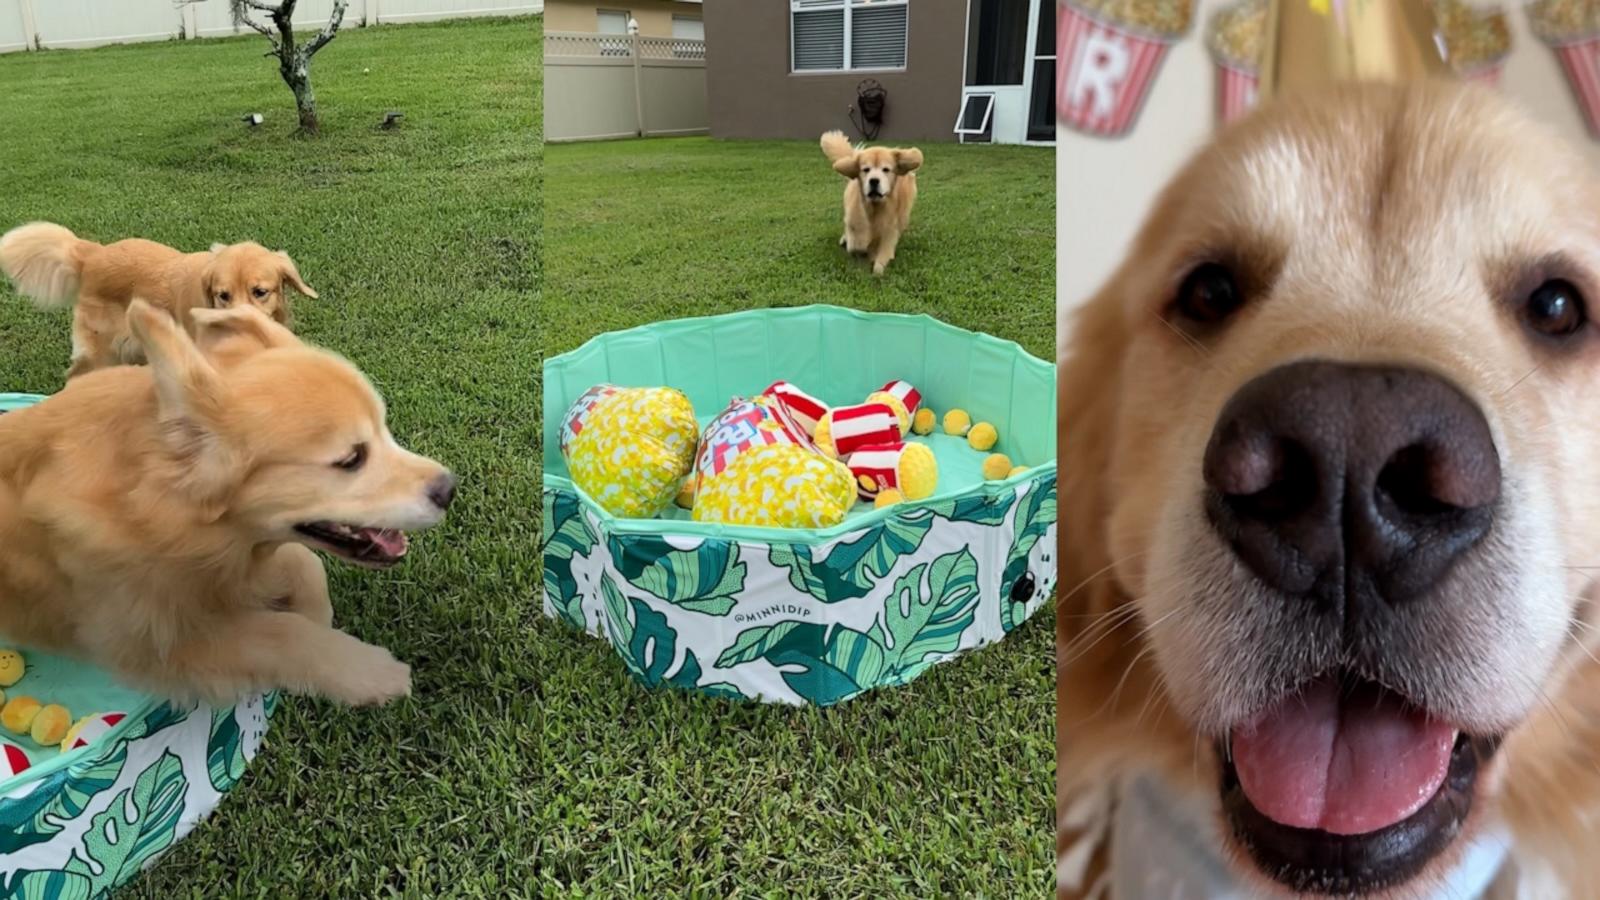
(876, 169)
(288, 440)
(250, 274)
(1348, 470)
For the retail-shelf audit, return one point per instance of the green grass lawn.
(425, 245)
(941, 788)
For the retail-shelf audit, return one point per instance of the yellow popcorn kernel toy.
(1016, 470)
(983, 436)
(756, 466)
(628, 448)
(909, 470)
(685, 498)
(50, 724)
(18, 713)
(996, 466)
(924, 421)
(887, 498)
(12, 668)
(957, 422)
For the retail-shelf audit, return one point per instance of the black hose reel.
(870, 101)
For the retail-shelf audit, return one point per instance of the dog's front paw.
(370, 676)
(878, 267)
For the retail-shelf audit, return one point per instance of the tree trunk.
(297, 75)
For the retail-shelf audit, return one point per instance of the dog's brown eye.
(1556, 309)
(355, 459)
(1209, 294)
(222, 297)
(258, 293)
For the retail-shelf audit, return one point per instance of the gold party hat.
(1317, 42)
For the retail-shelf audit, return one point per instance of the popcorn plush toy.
(846, 429)
(957, 422)
(757, 466)
(12, 668)
(901, 397)
(629, 448)
(909, 470)
(996, 467)
(89, 729)
(805, 409)
(924, 421)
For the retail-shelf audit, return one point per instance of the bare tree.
(294, 59)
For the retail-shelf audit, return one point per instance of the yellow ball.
(18, 713)
(1017, 470)
(50, 724)
(923, 421)
(996, 466)
(983, 436)
(685, 498)
(12, 668)
(956, 422)
(888, 498)
(896, 404)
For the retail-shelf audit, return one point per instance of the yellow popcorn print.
(777, 486)
(628, 448)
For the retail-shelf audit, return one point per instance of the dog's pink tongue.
(1347, 767)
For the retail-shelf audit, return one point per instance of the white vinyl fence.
(65, 24)
(600, 86)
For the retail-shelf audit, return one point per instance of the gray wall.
(753, 95)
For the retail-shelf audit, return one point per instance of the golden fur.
(149, 514)
(1385, 220)
(874, 217)
(51, 265)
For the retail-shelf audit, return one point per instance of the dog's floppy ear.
(292, 275)
(226, 336)
(849, 166)
(189, 400)
(907, 160)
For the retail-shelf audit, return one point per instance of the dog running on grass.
(54, 267)
(159, 520)
(878, 197)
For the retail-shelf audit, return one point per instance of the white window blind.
(844, 35)
(612, 21)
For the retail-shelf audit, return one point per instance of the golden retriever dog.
(54, 267)
(1333, 515)
(878, 197)
(159, 521)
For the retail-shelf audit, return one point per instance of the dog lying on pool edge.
(1332, 513)
(159, 521)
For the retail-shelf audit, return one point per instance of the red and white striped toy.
(908, 468)
(90, 729)
(846, 429)
(902, 398)
(805, 409)
(12, 760)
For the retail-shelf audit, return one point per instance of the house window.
(847, 35)
(689, 28)
(612, 21)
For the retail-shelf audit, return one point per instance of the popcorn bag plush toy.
(629, 448)
(805, 409)
(909, 470)
(757, 466)
(901, 397)
(846, 429)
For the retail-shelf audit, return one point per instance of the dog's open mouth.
(1346, 788)
(375, 547)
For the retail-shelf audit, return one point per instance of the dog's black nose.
(1339, 482)
(442, 490)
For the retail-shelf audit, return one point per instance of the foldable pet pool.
(80, 822)
(817, 615)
